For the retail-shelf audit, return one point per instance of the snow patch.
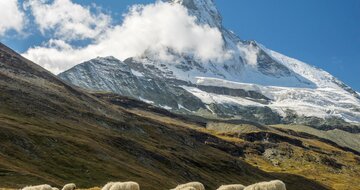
(182, 107)
(146, 101)
(137, 73)
(166, 107)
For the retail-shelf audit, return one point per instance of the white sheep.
(70, 186)
(189, 188)
(130, 185)
(231, 187)
(38, 187)
(55, 188)
(107, 186)
(194, 185)
(271, 185)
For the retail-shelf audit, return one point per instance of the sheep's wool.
(130, 185)
(194, 185)
(108, 186)
(271, 185)
(70, 186)
(232, 187)
(38, 187)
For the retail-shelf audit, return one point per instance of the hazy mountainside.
(254, 83)
(54, 133)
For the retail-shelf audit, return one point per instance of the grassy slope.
(54, 133)
(313, 158)
(297, 153)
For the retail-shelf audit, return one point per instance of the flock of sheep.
(271, 185)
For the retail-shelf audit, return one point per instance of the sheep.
(189, 188)
(194, 185)
(38, 187)
(130, 185)
(107, 186)
(231, 187)
(271, 185)
(55, 188)
(70, 186)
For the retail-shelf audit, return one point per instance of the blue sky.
(324, 33)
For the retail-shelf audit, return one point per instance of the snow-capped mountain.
(253, 83)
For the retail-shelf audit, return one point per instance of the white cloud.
(249, 53)
(151, 28)
(12, 17)
(67, 20)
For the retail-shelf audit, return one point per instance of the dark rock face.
(321, 124)
(330, 162)
(270, 137)
(235, 92)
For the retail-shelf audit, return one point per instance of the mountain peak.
(251, 68)
(204, 10)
